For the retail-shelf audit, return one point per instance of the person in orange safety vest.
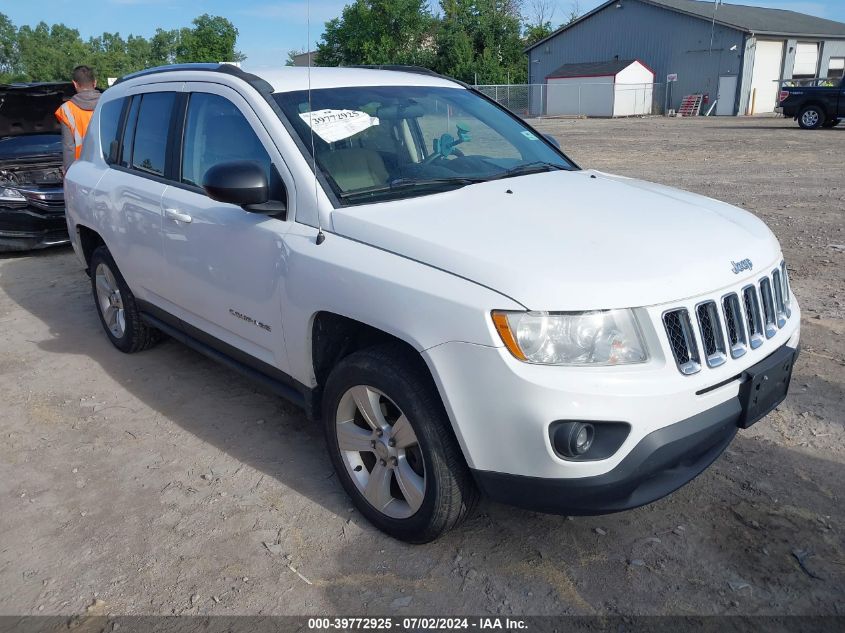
(75, 115)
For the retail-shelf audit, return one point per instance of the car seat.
(355, 168)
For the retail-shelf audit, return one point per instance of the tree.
(109, 51)
(539, 25)
(138, 53)
(49, 53)
(536, 32)
(379, 32)
(481, 40)
(574, 12)
(163, 47)
(291, 59)
(211, 40)
(9, 62)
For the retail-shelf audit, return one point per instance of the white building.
(614, 88)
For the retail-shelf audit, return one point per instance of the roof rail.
(410, 69)
(229, 69)
(398, 67)
(168, 68)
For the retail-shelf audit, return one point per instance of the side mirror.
(241, 182)
(551, 139)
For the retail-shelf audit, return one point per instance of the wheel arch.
(89, 241)
(335, 336)
(817, 103)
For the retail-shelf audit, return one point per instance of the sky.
(268, 30)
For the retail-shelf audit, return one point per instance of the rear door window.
(149, 150)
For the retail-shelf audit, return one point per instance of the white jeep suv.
(464, 308)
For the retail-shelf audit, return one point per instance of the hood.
(30, 108)
(86, 99)
(579, 240)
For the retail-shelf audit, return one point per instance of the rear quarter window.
(110, 115)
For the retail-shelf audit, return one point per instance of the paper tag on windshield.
(336, 125)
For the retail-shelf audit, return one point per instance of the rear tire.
(811, 118)
(392, 445)
(116, 306)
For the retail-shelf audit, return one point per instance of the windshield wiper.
(534, 167)
(401, 184)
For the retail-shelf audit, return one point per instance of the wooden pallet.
(690, 105)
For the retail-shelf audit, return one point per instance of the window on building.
(836, 68)
(806, 60)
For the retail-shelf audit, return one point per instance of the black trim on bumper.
(662, 462)
(27, 228)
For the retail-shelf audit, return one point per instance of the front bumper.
(663, 461)
(27, 228)
(504, 412)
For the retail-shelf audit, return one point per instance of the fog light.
(573, 439)
(584, 439)
(587, 441)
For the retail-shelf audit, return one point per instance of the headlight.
(7, 194)
(606, 337)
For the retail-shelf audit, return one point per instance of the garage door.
(764, 79)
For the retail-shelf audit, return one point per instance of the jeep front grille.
(712, 339)
(780, 305)
(682, 341)
(787, 303)
(731, 326)
(768, 307)
(752, 316)
(737, 340)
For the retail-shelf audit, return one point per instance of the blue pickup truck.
(814, 104)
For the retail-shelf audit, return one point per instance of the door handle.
(177, 215)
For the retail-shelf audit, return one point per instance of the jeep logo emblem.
(738, 267)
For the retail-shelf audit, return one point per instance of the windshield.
(30, 146)
(388, 142)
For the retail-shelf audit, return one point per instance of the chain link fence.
(588, 99)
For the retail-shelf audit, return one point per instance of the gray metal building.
(735, 53)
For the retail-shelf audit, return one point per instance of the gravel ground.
(162, 483)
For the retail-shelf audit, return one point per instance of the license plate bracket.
(766, 385)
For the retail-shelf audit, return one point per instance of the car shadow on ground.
(725, 543)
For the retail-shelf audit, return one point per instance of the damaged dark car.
(32, 204)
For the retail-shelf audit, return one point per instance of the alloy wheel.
(810, 118)
(380, 451)
(110, 300)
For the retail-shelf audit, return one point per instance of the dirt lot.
(153, 482)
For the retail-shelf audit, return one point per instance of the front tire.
(831, 123)
(116, 306)
(811, 118)
(392, 445)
